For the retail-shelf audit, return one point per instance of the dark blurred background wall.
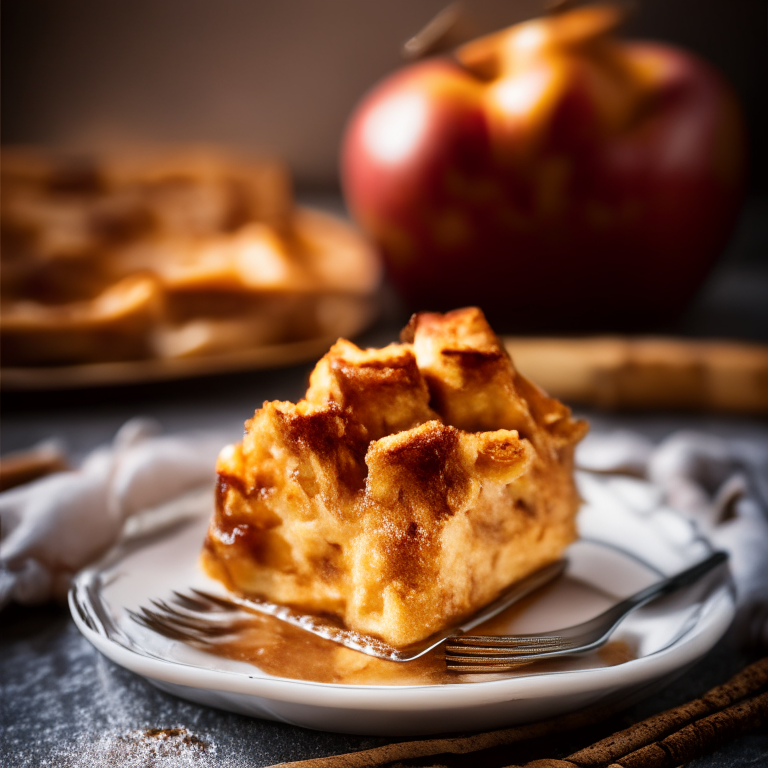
(282, 77)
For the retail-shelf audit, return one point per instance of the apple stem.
(449, 28)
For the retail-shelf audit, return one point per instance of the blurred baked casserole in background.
(191, 253)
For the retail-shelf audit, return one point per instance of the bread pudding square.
(409, 488)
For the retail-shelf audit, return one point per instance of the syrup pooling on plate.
(282, 650)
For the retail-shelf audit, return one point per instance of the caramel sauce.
(283, 650)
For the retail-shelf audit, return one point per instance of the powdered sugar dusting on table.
(140, 748)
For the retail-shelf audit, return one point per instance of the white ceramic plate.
(625, 547)
(150, 371)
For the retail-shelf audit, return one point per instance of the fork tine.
(494, 667)
(472, 665)
(509, 640)
(489, 661)
(190, 603)
(163, 606)
(176, 623)
(514, 659)
(174, 633)
(189, 626)
(222, 602)
(475, 652)
(170, 612)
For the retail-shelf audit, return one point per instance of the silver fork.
(202, 619)
(489, 653)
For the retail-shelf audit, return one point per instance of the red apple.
(549, 173)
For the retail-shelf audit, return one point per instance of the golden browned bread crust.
(409, 488)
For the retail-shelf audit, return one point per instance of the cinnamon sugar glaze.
(283, 650)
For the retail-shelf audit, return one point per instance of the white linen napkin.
(721, 485)
(57, 525)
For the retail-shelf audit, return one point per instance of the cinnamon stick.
(701, 737)
(690, 742)
(25, 466)
(620, 372)
(749, 680)
(457, 745)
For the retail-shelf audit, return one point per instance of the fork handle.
(561, 640)
(618, 612)
(673, 583)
